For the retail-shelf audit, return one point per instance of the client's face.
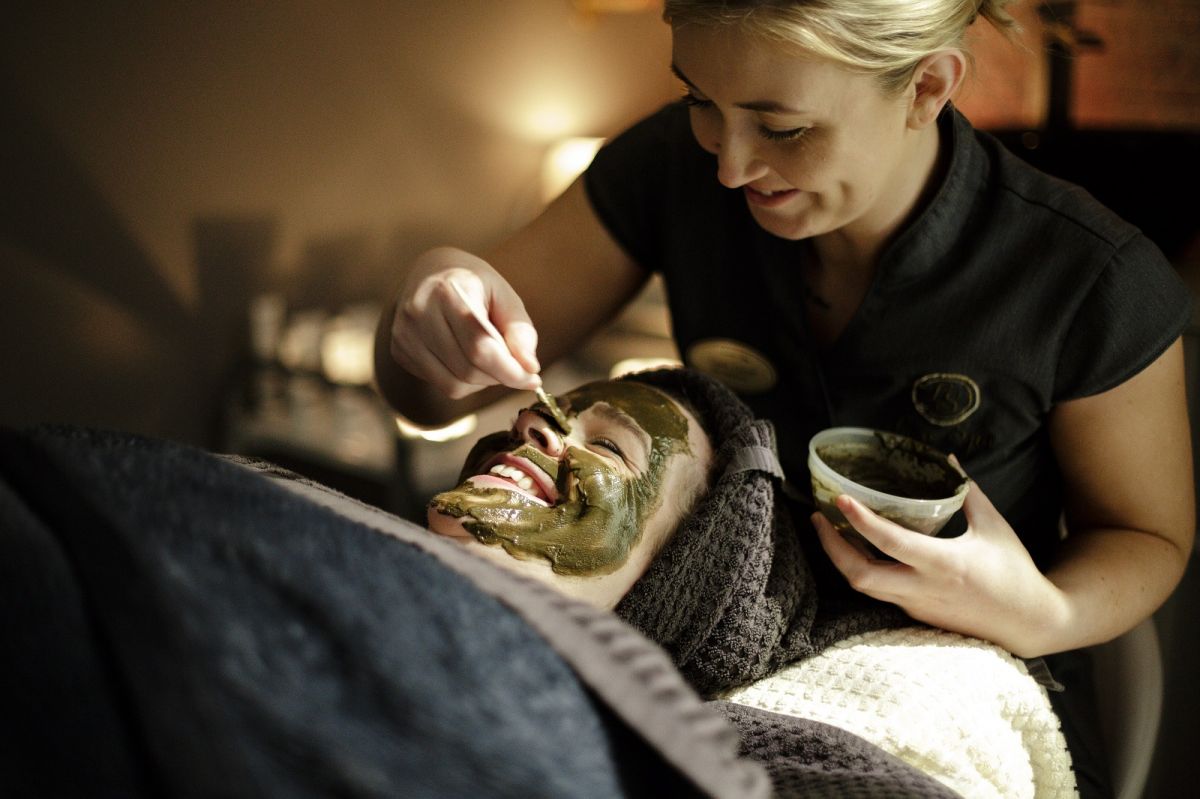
(585, 510)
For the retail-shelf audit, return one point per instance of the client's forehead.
(625, 402)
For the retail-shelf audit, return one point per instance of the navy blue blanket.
(177, 624)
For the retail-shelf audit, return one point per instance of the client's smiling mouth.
(520, 475)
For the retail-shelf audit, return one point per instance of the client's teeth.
(519, 477)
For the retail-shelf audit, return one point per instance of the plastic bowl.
(901, 479)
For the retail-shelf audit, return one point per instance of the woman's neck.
(856, 247)
(843, 263)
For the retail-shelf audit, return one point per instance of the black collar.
(933, 234)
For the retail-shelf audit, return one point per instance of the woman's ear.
(934, 81)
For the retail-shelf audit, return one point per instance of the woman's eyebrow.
(765, 106)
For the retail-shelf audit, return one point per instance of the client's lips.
(514, 473)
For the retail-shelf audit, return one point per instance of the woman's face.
(591, 506)
(813, 147)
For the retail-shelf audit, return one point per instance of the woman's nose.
(737, 162)
(537, 430)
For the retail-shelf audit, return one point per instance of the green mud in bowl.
(901, 479)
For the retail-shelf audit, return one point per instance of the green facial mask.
(600, 512)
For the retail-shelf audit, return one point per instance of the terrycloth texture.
(176, 625)
(731, 597)
(849, 766)
(959, 709)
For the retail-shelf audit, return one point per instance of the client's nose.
(540, 432)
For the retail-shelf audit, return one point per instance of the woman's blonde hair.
(884, 38)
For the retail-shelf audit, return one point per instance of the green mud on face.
(600, 513)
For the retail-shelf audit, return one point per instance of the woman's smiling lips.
(513, 473)
(768, 199)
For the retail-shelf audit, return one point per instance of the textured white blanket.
(962, 710)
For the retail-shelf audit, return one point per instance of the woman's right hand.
(435, 363)
(435, 337)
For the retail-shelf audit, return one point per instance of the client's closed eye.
(615, 436)
(609, 445)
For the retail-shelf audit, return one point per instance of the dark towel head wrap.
(731, 597)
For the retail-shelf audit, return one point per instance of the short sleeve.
(1137, 306)
(625, 184)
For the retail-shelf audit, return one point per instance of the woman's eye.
(791, 134)
(694, 101)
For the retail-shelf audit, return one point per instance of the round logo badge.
(737, 365)
(945, 399)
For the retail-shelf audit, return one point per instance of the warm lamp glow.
(566, 161)
(456, 429)
(348, 347)
(548, 122)
(300, 346)
(347, 356)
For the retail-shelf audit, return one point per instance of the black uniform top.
(1010, 292)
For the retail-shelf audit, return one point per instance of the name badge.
(739, 366)
(945, 399)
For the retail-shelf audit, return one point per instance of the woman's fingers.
(981, 583)
(477, 352)
(865, 572)
(421, 359)
(510, 317)
(980, 513)
(845, 555)
(424, 344)
(899, 543)
(460, 327)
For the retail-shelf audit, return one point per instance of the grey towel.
(731, 597)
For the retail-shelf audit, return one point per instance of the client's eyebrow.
(628, 423)
(765, 106)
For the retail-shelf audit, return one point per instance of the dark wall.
(162, 162)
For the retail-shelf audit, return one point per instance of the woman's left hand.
(983, 583)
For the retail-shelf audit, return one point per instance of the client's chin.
(602, 592)
(447, 525)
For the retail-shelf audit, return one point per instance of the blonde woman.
(843, 248)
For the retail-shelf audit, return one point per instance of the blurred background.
(204, 205)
